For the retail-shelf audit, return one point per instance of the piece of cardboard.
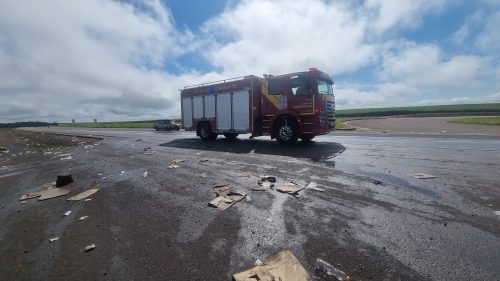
(290, 188)
(83, 195)
(423, 176)
(282, 266)
(54, 192)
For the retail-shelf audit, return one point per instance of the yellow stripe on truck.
(273, 99)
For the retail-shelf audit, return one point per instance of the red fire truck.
(286, 107)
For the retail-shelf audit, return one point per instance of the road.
(374, 220)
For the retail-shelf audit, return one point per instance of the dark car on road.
(165, 125)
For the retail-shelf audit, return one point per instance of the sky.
(126, 60)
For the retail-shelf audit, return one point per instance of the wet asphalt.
(374, 220)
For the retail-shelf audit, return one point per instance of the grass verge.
(477, 120)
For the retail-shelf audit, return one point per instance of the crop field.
(124, 124)
(454, 109)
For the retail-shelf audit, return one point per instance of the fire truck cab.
(286, 107)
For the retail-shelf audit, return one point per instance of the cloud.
(396, 13)
(424, 66)
(385, 94)
(264, 36)
(88, 59)
(489, 39)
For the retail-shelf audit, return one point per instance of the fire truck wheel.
(231, 136)
(306, 137)
(287, 131)
(206, 132)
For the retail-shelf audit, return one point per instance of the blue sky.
(126, 60)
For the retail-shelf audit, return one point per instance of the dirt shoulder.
(434, 126)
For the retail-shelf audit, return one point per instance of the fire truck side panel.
(223, 111)
(209, 106)
(241, 111)
(197, 107)
(187, 113)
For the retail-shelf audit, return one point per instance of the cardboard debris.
(227, 196)
(63, 180)
(314, 186)
(283, 266)
(290, 188)
(66, 158)
(145, 174)
(176, 161)
(54, 192)
(243, 174)
(67, 213)
(423, 176)
(23, 202)
(30, 196)
(173, 166)
(82, 218)
(89, 247)
(83, 194)
(265, 183)
(53, 239)
(88, 199)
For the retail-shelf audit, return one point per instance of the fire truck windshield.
(324, 88)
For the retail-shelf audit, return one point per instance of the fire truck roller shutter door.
(197, 107)
(209, 106)
(224, 111)
(241, 108)
(187, 113)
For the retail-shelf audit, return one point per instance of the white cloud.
(385, 94)
(397, 13)
(87, 59)
(424, 66)
(264, 36)
(489, 39)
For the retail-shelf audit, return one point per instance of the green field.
(442, 110)
(477, 120)
(126, 124)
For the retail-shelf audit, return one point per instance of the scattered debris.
(173, 166)
(138, 140)
(377, 182)
(52, 193)
(82, 218)
(202, 160)
(66, 158)
(148, 153)
(122, 173)
(497, 212)
(243, 174)
(145, 174)
(23, 202)
(146, 148)
(324, 269)
(227, 196)
(53, 239)
(88, 199)
(67, 213)
(282, 266)
(63, 180)
(83, 194)
(29, 196)
(291, 188)
(2, 149)
(176, 161)
(197, 154)
(88, 146)
(89, 248)
(203, 175)
(423, 176)
(265, 183)
(258, 262)
(314, 186)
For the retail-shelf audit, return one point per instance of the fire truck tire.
(231, 136)
(306, 137)
(287, 131)
(205, 131)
